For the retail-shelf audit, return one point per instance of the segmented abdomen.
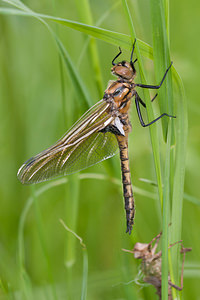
(126, 180)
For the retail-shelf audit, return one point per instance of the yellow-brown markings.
(126, 175)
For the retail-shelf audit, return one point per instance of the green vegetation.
(54, 65)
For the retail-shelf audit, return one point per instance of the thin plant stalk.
(86, 16)
(153, 128)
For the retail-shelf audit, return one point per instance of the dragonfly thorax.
(120, 92)
(124, 70)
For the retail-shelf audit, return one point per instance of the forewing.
(82, 146)
(99, 146)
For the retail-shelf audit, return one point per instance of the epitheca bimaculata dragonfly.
(97, 135)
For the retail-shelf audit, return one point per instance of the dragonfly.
(97, 135)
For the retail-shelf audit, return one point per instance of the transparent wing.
(82, 146)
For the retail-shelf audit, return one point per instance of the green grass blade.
(166, 10)
(108, 36)
(192, 199)
(62, 81)
(85, 275)
(71, 208)
(26, 286)
(63, 91)
(25, 282)
(86, 16)
(97, 24)
(85, 260)
(180, 159)
(71, 212)
(166, 219)
(153, 128)
(81, 90)
(129, 19)
(162, 61)
(71, 217)
(72, 188)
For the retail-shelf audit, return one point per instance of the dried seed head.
(140, 250)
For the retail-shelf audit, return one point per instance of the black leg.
(142, 102)
(154, 97)
(147, 86)
(120, 52)
(137, 103)
(131, 59)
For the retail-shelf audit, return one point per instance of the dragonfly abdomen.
(126, 180)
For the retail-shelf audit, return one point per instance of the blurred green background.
(33, 116)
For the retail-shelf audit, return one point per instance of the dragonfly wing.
(98, 147)
(82, 146)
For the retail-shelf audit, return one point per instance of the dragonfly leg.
(154, 97)
(120, 52)
(131, 59)
(155, 87)
(142, 102)
(137, 103)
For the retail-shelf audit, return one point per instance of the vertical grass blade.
(70, 67)
(166, 218)
(85, 275)
(177, 168)
(153, 128)
(85, 260)
(71, 210)
(25, 283)
(180, 158)
(73, 187)
(162, 62)
(86, 16)
(81, 90)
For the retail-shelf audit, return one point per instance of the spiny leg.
(149, 86)
(142, 102)
(137, 103)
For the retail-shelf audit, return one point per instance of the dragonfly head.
(125, 70)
